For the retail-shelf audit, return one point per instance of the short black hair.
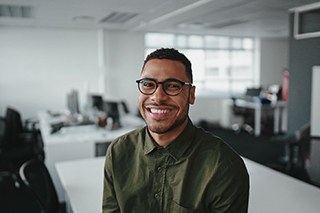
(171, 54)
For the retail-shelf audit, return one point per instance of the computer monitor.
(253, 92)
(111, 108)
(96, 102)
(73, 102)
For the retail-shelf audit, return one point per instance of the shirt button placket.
(157, 196)
(158, 193)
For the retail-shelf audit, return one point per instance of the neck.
(164, 139)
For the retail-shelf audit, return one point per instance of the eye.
(173, 85)
(147, 84)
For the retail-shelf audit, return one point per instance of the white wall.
(39, 66)
(124, 55)
(315, 102)
(274, 58)
(206, 109)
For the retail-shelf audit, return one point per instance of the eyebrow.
(168, 79)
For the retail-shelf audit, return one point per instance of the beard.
(159, 129)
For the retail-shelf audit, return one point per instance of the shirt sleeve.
(230, 189)
(109, 202)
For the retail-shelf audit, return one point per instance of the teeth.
(159, 111)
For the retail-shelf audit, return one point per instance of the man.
(170, 165)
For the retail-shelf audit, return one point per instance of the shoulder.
(215, 149)
(209, 141)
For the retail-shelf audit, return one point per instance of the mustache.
(163, 104)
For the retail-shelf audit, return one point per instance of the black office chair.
(96, 102)
(111, 108)
(14, 196)
(125, 107)
(2, 128)
(247, 114)
(37, 179)
(299, 149)
(248, 118)
(296, 152)
(7, 191)
(17, 143)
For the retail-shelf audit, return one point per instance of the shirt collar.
(149, 144)
(177, 147)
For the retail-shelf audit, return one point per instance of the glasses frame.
(163, 83)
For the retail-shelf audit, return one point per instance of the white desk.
(279, 115)
(270, 191)
(76, 142)
(82, 181)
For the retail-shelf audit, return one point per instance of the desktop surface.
(83, 194)
(270, 191)
(77, 141)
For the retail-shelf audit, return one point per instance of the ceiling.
(261, 18)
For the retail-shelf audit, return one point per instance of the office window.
(222, 66)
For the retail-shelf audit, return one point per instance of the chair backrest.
(2, 130)
(13, 126)
(303, 132)
(8, 191)
(36, 177)
(111, 108)
(125, 107)
(14, 196)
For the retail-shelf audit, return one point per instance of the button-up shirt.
(197, 172)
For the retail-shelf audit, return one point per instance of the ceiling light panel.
(118, 17)
(15, 11)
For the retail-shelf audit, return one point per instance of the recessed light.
(83, 18)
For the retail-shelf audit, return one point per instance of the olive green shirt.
(197, 172)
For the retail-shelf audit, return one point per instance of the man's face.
(161, 112)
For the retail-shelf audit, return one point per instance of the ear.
(192, 95)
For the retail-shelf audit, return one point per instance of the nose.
(159, 95)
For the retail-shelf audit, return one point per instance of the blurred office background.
(48, 49)
(68, 46)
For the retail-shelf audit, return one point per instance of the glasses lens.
(147, 86)
(172, 87)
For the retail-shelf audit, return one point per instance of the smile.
(159, 111)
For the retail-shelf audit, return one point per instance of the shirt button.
(156, 195)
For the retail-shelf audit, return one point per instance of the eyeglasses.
(172, 87)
